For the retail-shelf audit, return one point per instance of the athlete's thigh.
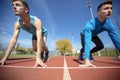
(34, 45)
(97, 40)
(34, 42)
(44, 46)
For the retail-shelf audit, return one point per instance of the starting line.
(59, 67)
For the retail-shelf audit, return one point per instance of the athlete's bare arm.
(11, 43)
(38, 26)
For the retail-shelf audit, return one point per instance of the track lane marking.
(60, 67)
(66, 74)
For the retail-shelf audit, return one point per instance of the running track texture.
(61, 68)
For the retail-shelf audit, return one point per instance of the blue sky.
(60, 17)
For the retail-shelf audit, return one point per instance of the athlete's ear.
(98, 13)
(26, 10)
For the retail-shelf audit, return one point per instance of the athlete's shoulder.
(33, 17)
(17, 25)
(108, 21)
(109, 24)
(91, 21)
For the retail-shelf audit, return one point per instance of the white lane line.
(66, 74)
(60, 67)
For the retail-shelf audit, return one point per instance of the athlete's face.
(19, 8)
(105, 11)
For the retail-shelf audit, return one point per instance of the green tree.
(64, 46)
(21, 50)
(30, 50)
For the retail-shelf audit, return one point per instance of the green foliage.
(109, 52)
(64, 46)
(22, 50)
(30, 50)
(18, 55)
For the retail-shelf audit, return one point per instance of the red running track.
(60, 68)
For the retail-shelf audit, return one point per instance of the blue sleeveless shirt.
(32, 28)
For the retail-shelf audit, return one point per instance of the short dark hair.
(24, 3)
(103, 3)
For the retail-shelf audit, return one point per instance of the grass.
(19, 55)
(104, 53)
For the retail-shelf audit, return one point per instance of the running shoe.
(91, 58)
(80, 57)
